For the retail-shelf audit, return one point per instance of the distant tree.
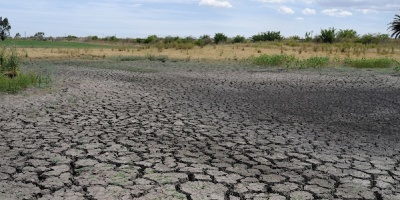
(71, 37)
(203, 40)
(239, 39)
(267, 36)
(394, 27)
(151, 39)
(220, 37)
(17, 36)
(308, 36)
(39, 35)
(346, 35)
(295, 37)
(4, 28)
(373, 38)
(327, 35)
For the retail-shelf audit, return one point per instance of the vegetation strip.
(290, 61)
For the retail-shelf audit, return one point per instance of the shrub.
(327, 35)
(151, 39)
(346, 35)
(9, 62)
(220, 37)
(267, 36)
(373, 38)
(238, 39)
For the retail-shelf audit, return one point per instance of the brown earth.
(192, 130)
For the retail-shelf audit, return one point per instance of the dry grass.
(211, 52)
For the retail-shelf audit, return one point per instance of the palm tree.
(4, 28)
(395, 27)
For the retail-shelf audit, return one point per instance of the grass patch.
(22, 81)
(372, 63)
(315, 62)
(318, 62)
(273, 60)
(128, 58)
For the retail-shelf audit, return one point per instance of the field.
(74, 49)
(122, 121)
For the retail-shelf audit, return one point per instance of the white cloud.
(299, 18)
(309, 11)
(368, 11)
(285, 10)
(215, 3)
(336, 12)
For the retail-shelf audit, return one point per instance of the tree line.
(329, 35)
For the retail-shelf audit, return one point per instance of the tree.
(346, 35)
(39, 35)
(239, 39)
(394, 27)
(17, 36)
(328, 35)
(267, 36)
(4, 28)
(220, 37)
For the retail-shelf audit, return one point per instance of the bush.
(267, 36)
(327, 35)
(346, 35)
(238, 39)
(373, 38)
(151, 39)
(220, 37)
(9, 62)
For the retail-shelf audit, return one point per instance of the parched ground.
(197, 131)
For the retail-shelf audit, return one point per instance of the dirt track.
(200, 133)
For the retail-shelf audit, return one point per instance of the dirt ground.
(198, 130)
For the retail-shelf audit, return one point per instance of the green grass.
(22, 43)
(372, 63)
(274, 60)
(22, 81)
(319, 62)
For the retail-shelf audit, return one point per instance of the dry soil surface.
(198, 132)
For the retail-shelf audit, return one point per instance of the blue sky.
(140, 18)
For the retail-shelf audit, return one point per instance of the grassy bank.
(11, 78)
(22, 81)
(290, 61)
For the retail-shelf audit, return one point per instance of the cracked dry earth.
(188, 133)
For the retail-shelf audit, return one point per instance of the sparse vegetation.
(11, 79)
(317, 62)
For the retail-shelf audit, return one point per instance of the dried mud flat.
(201, 133)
